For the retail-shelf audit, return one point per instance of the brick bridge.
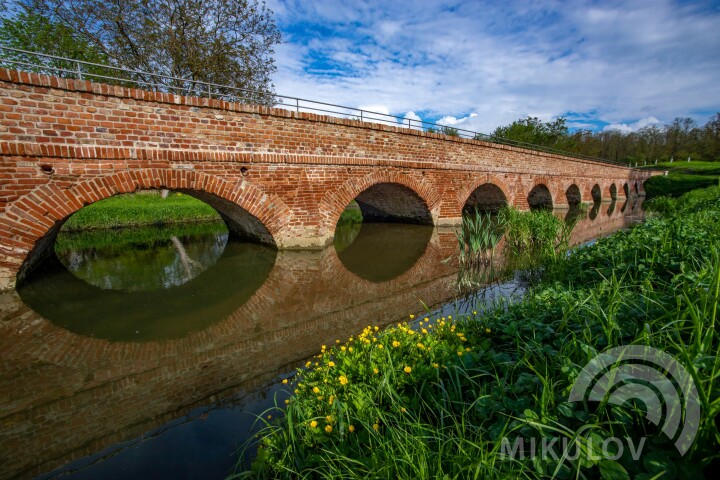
(277, 176)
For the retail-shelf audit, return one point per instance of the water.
(150, 354)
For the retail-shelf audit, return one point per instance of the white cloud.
(616, 62)
(632, 127)
(413, 120)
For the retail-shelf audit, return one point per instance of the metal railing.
(72, 68)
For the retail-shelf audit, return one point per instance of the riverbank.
(456, 397)
(682, 177)
(141, 209)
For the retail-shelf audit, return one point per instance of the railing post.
(79, 69)
(361, 115)
(297, 105)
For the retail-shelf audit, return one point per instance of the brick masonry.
(66, 143)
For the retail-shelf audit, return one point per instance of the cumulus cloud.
(613, 62)
(632, 127)
(413, 120)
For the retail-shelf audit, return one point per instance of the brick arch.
(334, 202)
(464, 195)
(598, 195)
(31, 223)
(572, 192)
(544, 182)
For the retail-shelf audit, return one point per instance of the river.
(151, 353)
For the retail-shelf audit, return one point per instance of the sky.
(478, 65)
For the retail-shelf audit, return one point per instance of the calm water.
(149, 354)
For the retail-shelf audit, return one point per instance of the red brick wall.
(66, 143)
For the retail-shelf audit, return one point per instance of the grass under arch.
(434, 400)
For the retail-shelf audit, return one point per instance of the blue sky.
(478, 65)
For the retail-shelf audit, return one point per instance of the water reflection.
(121, 408)
(149, 314)
(139, 259)
(380, 252)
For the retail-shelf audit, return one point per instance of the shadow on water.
(380, 252)
(160, 309)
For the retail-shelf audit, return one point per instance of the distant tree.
(36, 33)
(534, 131)
(226, 42)
(450, 131)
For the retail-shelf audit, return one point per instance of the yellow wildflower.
(376, 371)
(316, 390)
(376, 329)
(337, 341)
(351, 429)
(396, 343)
(343, 380)
(287, 402)
(350, 349)
(459, 354)
(329, 418)
(424, 331)
(402, 409)
(284, 381)
(331, 364)
(380, 345)
(328, 428)
(421, 346)
(313, 424)
(412, 316)
(343, 348)
(467, 349)
(269, 417)
(435, 365)
(487, 330)
(376, 427)
(407, 369)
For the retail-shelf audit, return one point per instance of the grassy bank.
(682, 177)
(434, 398)
(132, 210)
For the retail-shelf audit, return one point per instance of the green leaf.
(612, 470)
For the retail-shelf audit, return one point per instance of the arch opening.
(626, 190)
(613, 192)
(573, 196)
(240, 223)
(540, 198)
(637, 188)
(488, 197)
(393, 203)
(596, 193)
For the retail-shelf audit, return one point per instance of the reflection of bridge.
(278, 176)
(65, 396)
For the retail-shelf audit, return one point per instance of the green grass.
(132, 210)
(435, 399)
(682, 177)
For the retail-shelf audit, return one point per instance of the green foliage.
(676, 184)
(535, 131)
(450, 131)
(30, 31)
(478, 236)
(141, 209)
(506, 372)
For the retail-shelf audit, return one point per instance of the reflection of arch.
(613, 191)
(573, 195)
(637, 188)
(380, 253)
(486, 197)
(540, 197)
(596, 193)
(33, 221)
(334, 202)
(626, 190)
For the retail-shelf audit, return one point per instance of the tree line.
(681, 139)
(180, 42)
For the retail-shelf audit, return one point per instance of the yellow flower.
(421, 346)
(380, 345)
(402, 409)
(412, 316)
(407, 369)
(320, 398)
(376, 371)
(449, 317)
(487, 330)
(331, 364)
(313, 424)
(316, 390)
(307, 365)
(323, 348)
(284, 381)
(376, 427)
(269, 417)
(329, 418)
(467, 349)
(287, 402)
(351, 429)
(435, 365)
(396, 343)
(297, 391)
(328, 428)
(459, 354)
(343, 380)
(427, 319)
(343, 348)
(337, 341)
(424, 331)
(474, 312)
(331, 399)
(377, 328)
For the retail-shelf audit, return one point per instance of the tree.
(224, 42)
(36, 33)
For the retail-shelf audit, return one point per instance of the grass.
(435, 397)
(132, 210)
(682, 177)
